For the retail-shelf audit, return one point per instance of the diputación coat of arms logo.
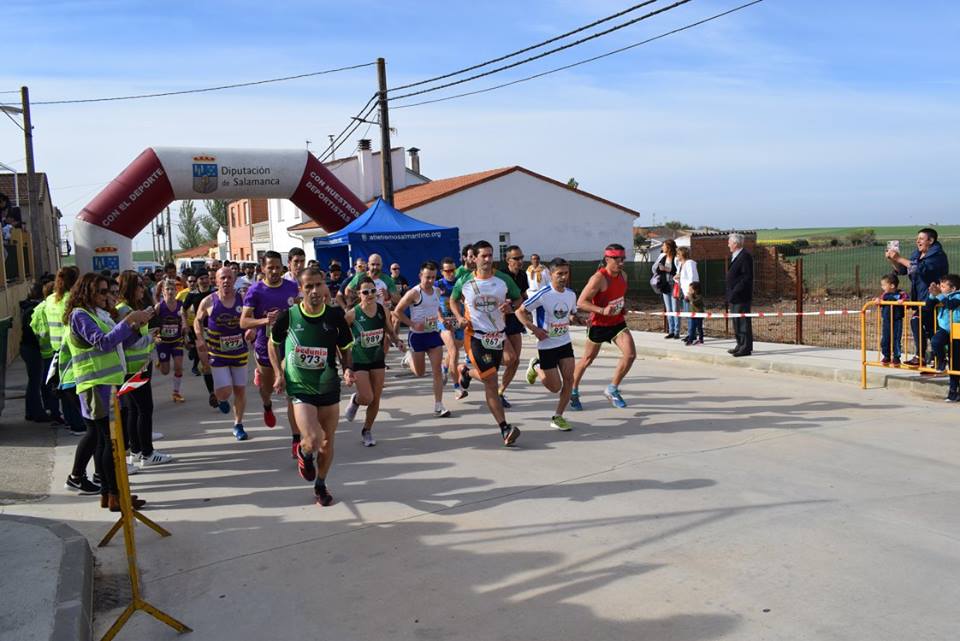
(204, 174)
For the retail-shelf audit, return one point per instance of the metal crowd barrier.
(953, 359)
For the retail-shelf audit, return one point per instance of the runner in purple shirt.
(262, 304)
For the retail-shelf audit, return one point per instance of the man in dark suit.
(740, 293)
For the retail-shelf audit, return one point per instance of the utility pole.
(33, 195)
(386, 160)
(169, 238)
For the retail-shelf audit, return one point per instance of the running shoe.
(156, 436)
(132, 469)
(323, 496)
(213, 400)
(504, 402)
(293, 449)
(510, 435)
(352, 408)
(461, 394)
(612, 393)
(195, 371)
(446, 374)
(441, 412)
(157, 458)
(305, 465)
(224, 407)
(464, 377)
(82, 486)
(366, 437)
(532, 370)
(560, 423)
(239, 433)
(177, 397)
(407, 357)
(268, 417)
(575, 403)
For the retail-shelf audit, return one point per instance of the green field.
(836, 269)
(883, 233)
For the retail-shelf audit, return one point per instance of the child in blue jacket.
(948, 298)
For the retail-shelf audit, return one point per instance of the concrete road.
(721, 504)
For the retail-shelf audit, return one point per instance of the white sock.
(177, 380)
(438, 406)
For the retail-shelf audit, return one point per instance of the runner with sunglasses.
(513, 328)
(604, 297)
(423, 301)
(450, 330)
(479, 301)
(368, 322)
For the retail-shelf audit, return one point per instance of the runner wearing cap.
(604, 297)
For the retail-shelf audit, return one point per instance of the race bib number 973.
(310, 357)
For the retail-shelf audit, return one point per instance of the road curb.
(73, 610)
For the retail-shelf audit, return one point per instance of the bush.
(801, 243)
(788, 249)
(862, 237)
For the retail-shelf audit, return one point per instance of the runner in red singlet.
(604, 297)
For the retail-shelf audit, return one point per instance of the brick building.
(242, 215)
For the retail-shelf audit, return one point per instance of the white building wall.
(283, 214)
(541, 218)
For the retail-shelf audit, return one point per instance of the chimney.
(414, 159)
(369, 175)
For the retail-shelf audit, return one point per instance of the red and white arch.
(105, 228)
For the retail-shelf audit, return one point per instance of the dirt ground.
(841, 332)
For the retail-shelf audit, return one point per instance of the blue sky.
(789, 113)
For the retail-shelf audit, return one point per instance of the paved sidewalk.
(721, 504)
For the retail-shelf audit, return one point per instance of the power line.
(205, 90)
(354, 122)
(546, 53)
(526, 49)
(352, 127)
(582, 62)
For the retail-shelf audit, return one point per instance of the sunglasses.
(368, 292)
(448, 271)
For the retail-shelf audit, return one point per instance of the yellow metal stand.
(126, 522)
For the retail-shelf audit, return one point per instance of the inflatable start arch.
(105, 228)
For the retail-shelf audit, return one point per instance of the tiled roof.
(417, 195)
(202, 250)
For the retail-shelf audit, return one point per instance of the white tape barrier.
(822, 312)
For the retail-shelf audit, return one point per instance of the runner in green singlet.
(368, 322)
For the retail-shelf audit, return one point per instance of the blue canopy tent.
(398, 238)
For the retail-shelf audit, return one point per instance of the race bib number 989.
(310, 357)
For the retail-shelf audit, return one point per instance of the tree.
(215, 218)
(189, 226)
(572, 183)
(676, 224)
